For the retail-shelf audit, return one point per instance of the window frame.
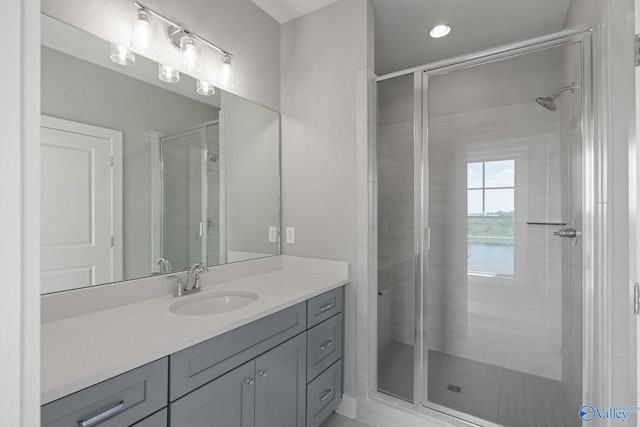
(484, 188)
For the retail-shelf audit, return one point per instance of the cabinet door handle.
(325, 394)
(326, 344)
(327, 306)
(102, 415)
(250, 381)
(262, 373)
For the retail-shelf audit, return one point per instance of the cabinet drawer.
(204, 362)
(324, 394)
(159, 419)
(324, 346)
(117, 402)
(324, 306)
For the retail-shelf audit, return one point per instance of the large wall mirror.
(143, 177)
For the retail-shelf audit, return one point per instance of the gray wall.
(250, 135)
(321, 53)
(584, 12)
(94, 95)
(239, 26)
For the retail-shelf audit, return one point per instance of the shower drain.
(454, 388)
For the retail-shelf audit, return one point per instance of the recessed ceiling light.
(440, 31)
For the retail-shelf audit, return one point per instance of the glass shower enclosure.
(480, 259)
(191, 188)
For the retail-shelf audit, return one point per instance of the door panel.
(281, 385)
(225, 402)
(503, 285)
(77, 207)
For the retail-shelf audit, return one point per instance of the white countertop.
(81, 351)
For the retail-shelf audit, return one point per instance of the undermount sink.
(213, 303)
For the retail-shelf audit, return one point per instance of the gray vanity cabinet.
(283, 370)
(159, 419)
(117, 402)
(269, 391)
(225, 402)
(281, 386)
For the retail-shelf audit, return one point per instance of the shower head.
(548, 102)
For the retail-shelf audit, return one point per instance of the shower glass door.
(502, 276)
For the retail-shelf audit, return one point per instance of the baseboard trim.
(348, 407)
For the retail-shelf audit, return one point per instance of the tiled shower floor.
(500, 395)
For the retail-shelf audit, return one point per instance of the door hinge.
(112, 241)
(636, 49)
(111, 161)
(636, 298)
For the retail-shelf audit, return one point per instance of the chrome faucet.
(192, 284)
(165, 265)
(193, 277)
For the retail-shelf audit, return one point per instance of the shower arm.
(572, 88)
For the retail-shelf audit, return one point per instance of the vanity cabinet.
(284, 370)
(268, 391)
(121, 401)
(159, 419)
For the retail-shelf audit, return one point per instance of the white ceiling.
(286, 10)
(402, 27)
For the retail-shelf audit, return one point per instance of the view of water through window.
(490, 217)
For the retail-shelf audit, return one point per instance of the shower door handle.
(567, 233)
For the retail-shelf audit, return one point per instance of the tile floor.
(500, 395)
(336, 420)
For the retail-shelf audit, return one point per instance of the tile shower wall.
(509, 322)
(396, 278)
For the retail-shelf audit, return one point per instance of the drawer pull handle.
(326, 344)
(101, 416)
(327, 306)
(325, 394)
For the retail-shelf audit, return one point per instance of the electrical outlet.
(291, 235)
(273, 234)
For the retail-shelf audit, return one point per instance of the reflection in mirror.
(142, 177)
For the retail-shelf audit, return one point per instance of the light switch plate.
(291, 235)
(273, 234)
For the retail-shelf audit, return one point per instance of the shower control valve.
(568, 233)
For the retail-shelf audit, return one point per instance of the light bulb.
(143, 30)
(168, 74)
(121, 55)
(190, 51)
(225, 70)
(440, 31)
(204, 88)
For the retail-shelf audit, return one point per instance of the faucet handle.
(179, 286)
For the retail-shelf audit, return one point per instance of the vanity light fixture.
(190, 52)
(122, 55)
(226, 72)
(440, 31)
(143, 30)
(168, 74)
(204, 88)
(189, 44)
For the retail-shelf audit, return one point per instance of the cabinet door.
(159, 419)
(281, 385)
(226, 402)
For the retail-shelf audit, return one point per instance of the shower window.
(490, 217)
